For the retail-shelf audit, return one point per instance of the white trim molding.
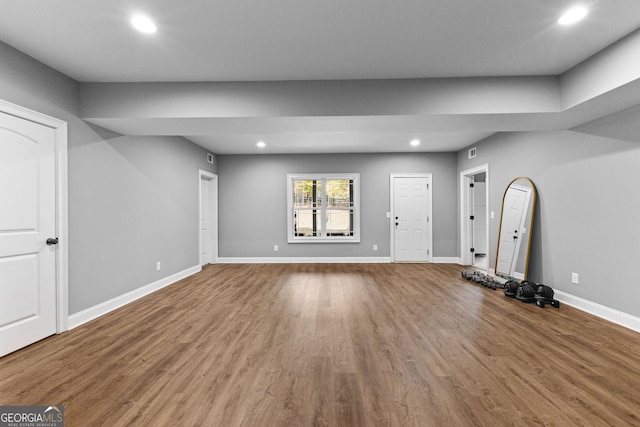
(323, 209)
(101, 309)
(303, 260)
(618, 317)
(326, 260)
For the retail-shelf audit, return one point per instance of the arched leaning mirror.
(516, 221)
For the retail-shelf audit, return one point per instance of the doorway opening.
(474, 220)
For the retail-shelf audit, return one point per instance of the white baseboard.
(315, 260)
(604, 312)
(101, 309)
(447, 260)
(302, 260)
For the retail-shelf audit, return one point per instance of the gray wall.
(587, 214)
(253, 202)
(132, 200)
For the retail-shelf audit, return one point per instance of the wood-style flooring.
(335, 345)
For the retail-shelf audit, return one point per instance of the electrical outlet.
(493, 215)
(158, 266)
(574, 278)
(275, 248)
(375, 247)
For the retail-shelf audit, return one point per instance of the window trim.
(291, 238)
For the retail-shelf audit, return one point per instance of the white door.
(472, 216)
(479, 241)
(513, 217)
(208, 225)
(27, 220)
(411, 219)
(205, 220)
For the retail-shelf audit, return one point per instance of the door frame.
(465, 180)
(392, 176)
(62, 220)
(213, 215)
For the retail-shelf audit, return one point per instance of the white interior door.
(513, 217)
(27, 220)
(480, 243)
(205, 220)
(411, 219)
(479, 226)
(208, 225)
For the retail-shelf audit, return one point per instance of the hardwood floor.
(337, 345)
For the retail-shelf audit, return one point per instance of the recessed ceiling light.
(415, 142)
(261, 144)
(573, 15)
(143, 24)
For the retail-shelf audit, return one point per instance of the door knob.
(396, 224)
(52, 241)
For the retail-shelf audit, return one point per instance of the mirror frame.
(534, 201)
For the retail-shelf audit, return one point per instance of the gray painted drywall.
(586, 218)
(132, 200)
(253, 200)
(29, 83)
(478, 95)
(612, 68)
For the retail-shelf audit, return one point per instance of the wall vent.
(472, 152)
(210, 158)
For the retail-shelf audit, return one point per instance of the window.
(323, 207)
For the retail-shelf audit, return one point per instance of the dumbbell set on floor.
(525, 291)
(482, 279)
(530, 292)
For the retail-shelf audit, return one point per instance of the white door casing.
(411, 228)
(513, 227)
(208, 224)
(33, 275)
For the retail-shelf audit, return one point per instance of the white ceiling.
(244, 40)
(205, 40)
(378, 134)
